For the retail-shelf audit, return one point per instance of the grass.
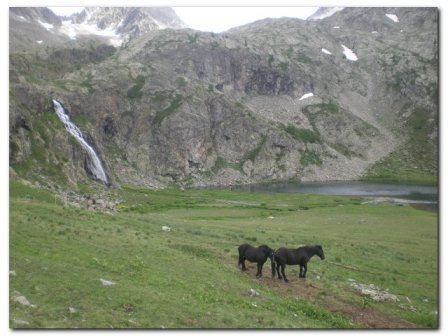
(135, 90)
(40, 162)
(303, 58)
(181, 82)
(310, 157)
(221, 163)
(174, 101)
(416, 160)
(188, 277)
(400, 168)
(302, 134)
(87, 83)
(252, 154)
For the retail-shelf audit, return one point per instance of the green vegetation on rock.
(302, 134)
(135, 90)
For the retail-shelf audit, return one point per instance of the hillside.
(72, 267)
(348, 96)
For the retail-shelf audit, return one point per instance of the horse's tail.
(241, 251)
(273, 263)
(240, 259)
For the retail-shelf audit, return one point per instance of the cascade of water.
(95, 165)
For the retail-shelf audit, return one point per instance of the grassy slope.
(189, 277)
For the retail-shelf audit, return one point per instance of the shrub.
(310, 157)
(135, 91)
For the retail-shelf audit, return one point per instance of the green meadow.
(189, 277)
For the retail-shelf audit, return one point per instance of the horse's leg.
(278, 271)
(301, 271)
(283, 273)
(243, 265)
(304, 271)
(273, 267)
(259, 266)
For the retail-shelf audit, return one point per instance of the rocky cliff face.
(327, 99)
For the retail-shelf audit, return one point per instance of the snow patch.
(374, 32)
(47, 26)
(68, 29)
(74, 29)
(351, 56)
(393, 17)
(307, 95)
(39, 42)
(325, 51)
(328, 13)
(336, 27)
(22, 18)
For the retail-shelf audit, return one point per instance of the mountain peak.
(126, 23)
(114, 25)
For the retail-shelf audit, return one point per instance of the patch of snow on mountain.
(393, 17)
(47, 26)
(22, 18)
(68, 29)
(39, 42)
(349, 53)
(329, 11)
(74, 29)
(374, 32)
(307, 95)
(326, 51)
(336, 27)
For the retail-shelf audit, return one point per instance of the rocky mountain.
(349, 95)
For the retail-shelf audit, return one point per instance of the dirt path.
(309, 290)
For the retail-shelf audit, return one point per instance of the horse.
(254, 254)
(299, 256)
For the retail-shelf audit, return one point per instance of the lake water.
(418, 193)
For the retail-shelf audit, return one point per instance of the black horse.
(299, 256)
(254, 254)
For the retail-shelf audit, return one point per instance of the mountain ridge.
(110, 25)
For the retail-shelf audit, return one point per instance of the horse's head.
(320, 252)
(266, 249)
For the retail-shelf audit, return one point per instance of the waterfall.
(95, 165)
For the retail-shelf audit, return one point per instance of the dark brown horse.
(299, 256)
(254, 254)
